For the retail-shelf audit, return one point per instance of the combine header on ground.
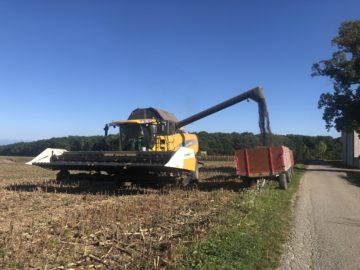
(151, 143)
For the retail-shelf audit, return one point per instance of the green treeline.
(305, 147)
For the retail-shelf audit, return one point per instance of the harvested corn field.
(103, 224)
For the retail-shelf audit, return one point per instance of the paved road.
(326, 232)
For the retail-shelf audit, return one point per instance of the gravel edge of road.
(298, 250)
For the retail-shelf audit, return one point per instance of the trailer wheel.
(282, 181)
(288, 176)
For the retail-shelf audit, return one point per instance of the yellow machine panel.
(175, 141)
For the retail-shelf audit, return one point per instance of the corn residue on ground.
(102, 224)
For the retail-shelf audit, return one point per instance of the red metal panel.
(282, 160)
(247, 162)
(263, 161)
(271, 160)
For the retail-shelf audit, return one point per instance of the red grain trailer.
(266, 162)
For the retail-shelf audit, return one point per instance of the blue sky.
(69, 67)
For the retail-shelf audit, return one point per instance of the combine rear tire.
(282, 181)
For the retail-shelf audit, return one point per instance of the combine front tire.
(63, 175)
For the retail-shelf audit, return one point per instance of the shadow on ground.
(112, 188)
(352, 174)
(353, 178)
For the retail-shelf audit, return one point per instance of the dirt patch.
(11, 160)
(6, 161)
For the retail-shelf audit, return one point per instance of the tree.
(320, 149)
(342, 106)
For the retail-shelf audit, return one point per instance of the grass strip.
(249, 233)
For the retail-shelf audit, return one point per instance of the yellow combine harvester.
(152, 143)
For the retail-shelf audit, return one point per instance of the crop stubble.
(82, 225)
